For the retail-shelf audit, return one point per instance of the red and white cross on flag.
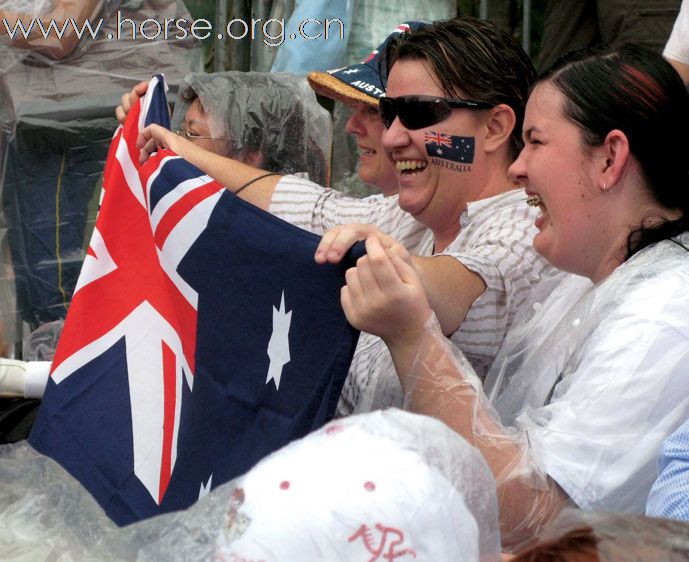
(129, 288)
(201, 337)
(440, 139)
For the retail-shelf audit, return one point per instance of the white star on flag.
(205, 488)
(278, 346)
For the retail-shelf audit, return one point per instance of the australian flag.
(450, 147)
(201, 337)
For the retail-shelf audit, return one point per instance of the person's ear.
(500, 123)
(612, 158)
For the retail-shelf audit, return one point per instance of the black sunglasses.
(416, 112)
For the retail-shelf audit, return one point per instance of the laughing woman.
(584, 394)
(454, 116)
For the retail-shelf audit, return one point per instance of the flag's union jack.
(153, 308)
(145, 405)
(440, 139)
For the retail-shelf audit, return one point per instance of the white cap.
(378, 485)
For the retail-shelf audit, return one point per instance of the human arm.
(63, 10)
(230, 173)
(292, 198)
(384, 296)
(226, 171)
(481, 281)
(296, 200)
(669, 497)
(450, 287)
(593, 411)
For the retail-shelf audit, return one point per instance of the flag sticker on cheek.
(440, 146)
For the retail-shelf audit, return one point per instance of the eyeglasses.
(416, 112)
(191, 136)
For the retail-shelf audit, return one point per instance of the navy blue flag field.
(201, 337)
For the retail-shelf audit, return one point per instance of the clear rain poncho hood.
(273, 115)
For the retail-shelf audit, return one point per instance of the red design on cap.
(389, 539)
(284, 485)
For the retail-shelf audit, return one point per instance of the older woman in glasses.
(586, 390)
(453, 114)
(267, 120)
(272, 121)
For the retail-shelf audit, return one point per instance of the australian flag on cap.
(365, 76)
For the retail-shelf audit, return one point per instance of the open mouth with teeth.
(534, 200)
(409, 167)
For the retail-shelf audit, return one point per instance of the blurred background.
(522, 18)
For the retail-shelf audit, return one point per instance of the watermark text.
(270, 31)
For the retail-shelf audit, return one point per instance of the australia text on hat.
(368, 87)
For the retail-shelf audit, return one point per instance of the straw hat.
(360, 82)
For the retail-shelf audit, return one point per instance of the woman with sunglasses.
(453, 113)
(583, 395)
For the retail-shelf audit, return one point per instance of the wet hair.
(577, 545)
(633, 89)
(188, 95)
(473, 59)
(609, 537)
(281, 156)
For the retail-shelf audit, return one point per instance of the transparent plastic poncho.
(273, 118)
(115, 57)
(582, 396)
(56, 122)
(381, 486)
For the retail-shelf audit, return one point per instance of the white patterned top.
(494, 241)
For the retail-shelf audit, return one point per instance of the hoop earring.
(605, 186)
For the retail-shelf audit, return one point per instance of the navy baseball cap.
(360, 82)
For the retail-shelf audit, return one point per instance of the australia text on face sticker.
(449, 151)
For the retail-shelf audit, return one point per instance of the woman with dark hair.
(582, 395)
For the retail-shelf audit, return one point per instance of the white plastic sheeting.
(386, 485)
